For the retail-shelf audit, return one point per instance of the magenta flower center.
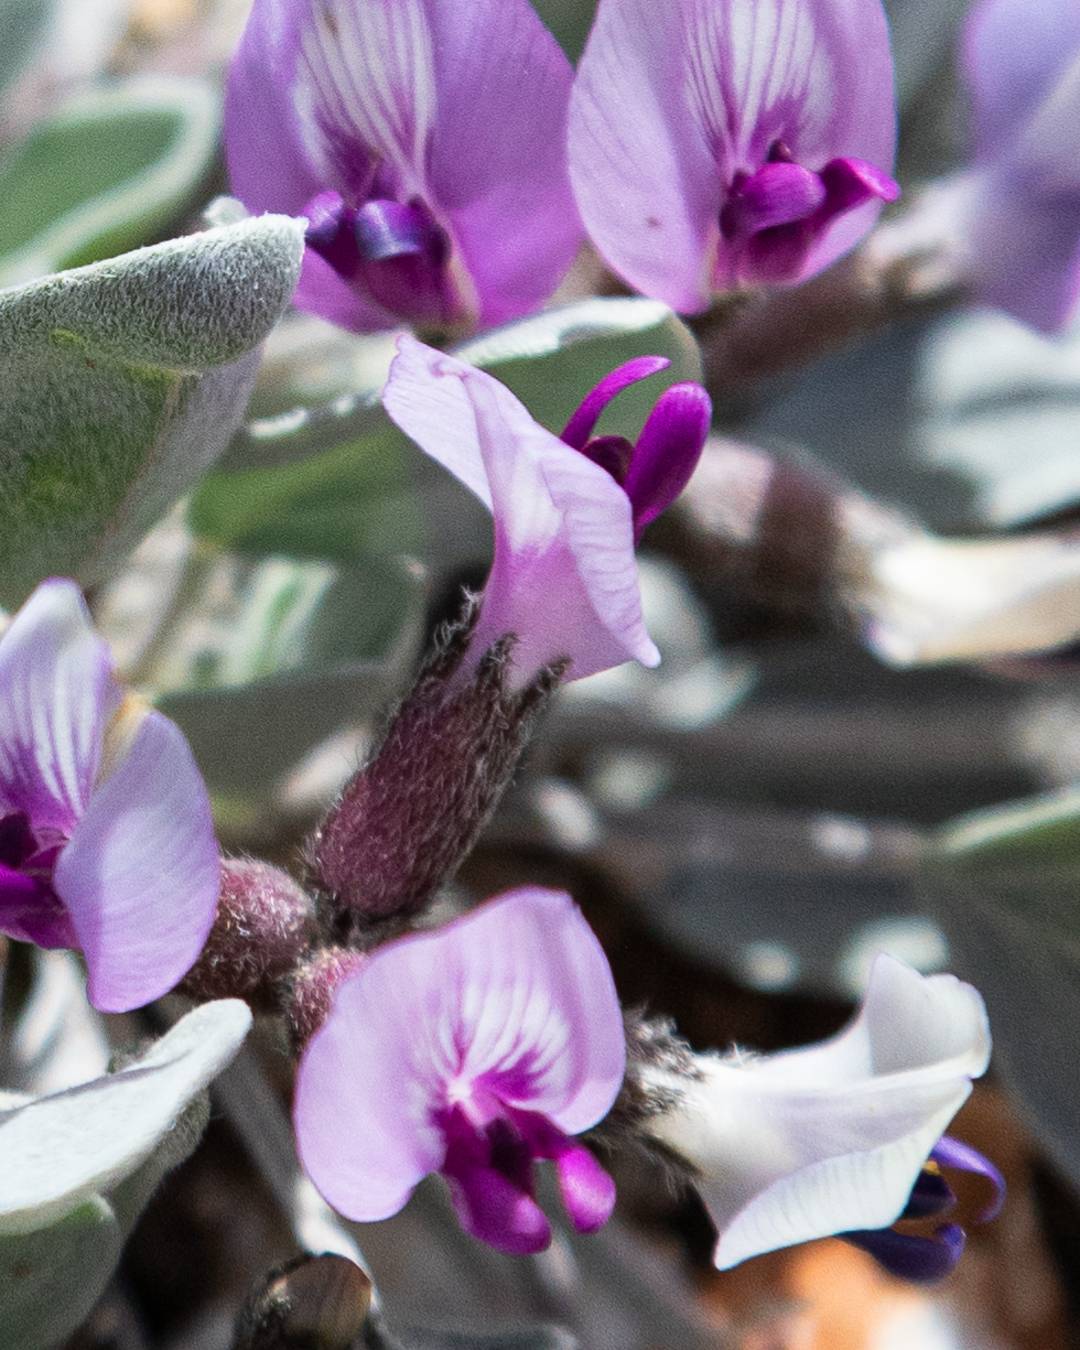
(393, 250)
(491, 1151)
(653, 470)
(30, 909)
(773, 216)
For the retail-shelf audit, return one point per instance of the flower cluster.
(432, 148)
(448, 163)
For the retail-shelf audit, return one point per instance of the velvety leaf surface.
(121, 383)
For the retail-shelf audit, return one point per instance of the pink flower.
(106, 839)
(474, 1051)
(424, 140)
(567, 512)
(734, 142)
(1020, 200)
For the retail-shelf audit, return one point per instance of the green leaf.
(553, 359)
(50, 1279)
(106, 172)
(120, 383)
(60, 1239)
(61, 1150)
(1040, 832)
(340, 480)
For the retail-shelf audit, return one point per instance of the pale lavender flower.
(567, 512)
(733, 142)
(835, 1138)
(425, 142)
(106, 839)
(1020, 200)
(474, 1051)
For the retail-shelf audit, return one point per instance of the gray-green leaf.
(106, 172)
(120, 384)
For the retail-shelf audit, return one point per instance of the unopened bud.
(312, 987)
(406, 821)
(311, 1302)
(261, 927)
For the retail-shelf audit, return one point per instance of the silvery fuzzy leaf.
(60, 1151)
(120, 383)
(968, 419)
(106, 171)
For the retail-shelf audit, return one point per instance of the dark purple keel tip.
(775, 215)
(656, 469)
(387, 229)
(923, 1260)
(394, 251)
(962, 1157)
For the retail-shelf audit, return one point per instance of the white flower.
(830, 1138)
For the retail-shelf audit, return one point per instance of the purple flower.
(474, 1051)
(736, 142)
(567, 512)
(425, 142)
(1021, 198)
(834, 1138)
(106, 839)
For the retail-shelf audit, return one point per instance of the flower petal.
(140, 875)
(426, 397)
(56, 694)
(644, 173)
(540, 1015)
(516, 997)
(563, 579)
(664, 115)
(564, 576)
(583, 422)
(1013, 53)
(270, 168)
(498, 168)
(667, 451)
(1024, 254)
(832, 1138)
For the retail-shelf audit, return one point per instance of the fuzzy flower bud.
(408, 818)
(260, 928)
(311, 991)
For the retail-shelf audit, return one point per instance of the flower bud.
(310, 1301)
(260, 929)
(312, 988)
(404, 823)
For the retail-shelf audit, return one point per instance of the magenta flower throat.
(426, 144)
